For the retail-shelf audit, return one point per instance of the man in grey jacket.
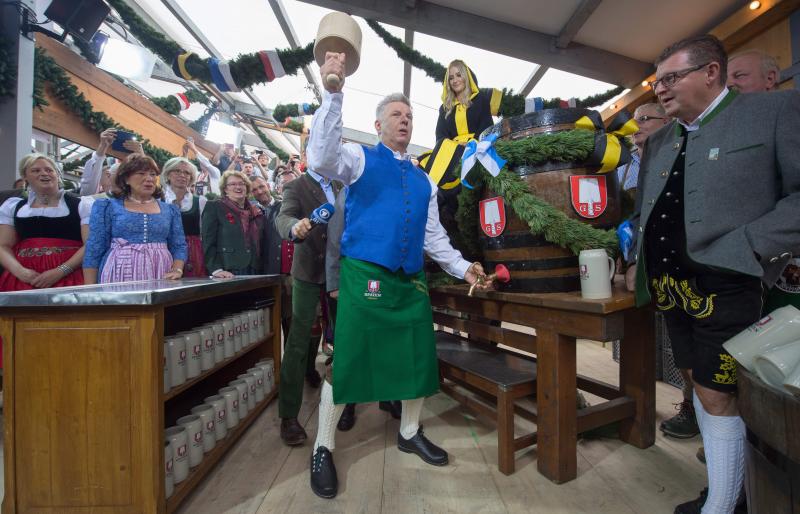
(719, 192)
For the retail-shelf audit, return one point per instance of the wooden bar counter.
(85, 410)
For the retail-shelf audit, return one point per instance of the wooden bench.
(497, 377)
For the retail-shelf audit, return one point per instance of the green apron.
(384, 345)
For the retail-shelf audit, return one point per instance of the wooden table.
(560, 319)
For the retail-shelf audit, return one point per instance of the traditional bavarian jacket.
(391, 211)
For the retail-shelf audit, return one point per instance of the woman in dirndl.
(177, 177)
(134, 235)
(42, 236)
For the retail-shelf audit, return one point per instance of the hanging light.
(127, 60)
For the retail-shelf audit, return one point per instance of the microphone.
(321, 215)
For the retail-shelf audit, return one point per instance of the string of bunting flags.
(227, 75)
(515, 104)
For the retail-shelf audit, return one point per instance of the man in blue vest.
(385, 348)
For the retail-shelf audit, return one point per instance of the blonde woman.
(42, 236)
(233, 230)
(177, 177)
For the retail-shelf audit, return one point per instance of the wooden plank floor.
(261, 475)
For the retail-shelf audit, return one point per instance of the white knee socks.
(409, 419)
(328, 417)
(723, 439)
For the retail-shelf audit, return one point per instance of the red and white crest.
(198, 436)
(373, 286)
(589, 195)
(181, 450)
(493, 216)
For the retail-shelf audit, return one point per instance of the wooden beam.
(409, 40)
(108, 95)
(576, 21)
(533, 79)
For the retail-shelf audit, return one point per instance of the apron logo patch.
(373, 289)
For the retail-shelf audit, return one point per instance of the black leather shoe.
(313, 378)
(395, 408)
(323, 474)
(292, 432)
(348, 418)
(694, 506)
(420, 445)
(683, 425)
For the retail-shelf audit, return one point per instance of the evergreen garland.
(511, 104)
(269, 144)
(515, 105)
(200, 125)
(283, 111)
(246, 70)
(294, 126)
(8, 69)
(542, 218)
(173, 106)
(75, 164)
(47, 70)
(588, 102)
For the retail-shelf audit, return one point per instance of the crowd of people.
(136, 221)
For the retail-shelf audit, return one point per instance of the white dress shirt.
(691, 127)
(329, 157)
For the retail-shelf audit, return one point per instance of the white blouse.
(26, 211)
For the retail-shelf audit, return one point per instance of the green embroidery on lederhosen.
(727, 368)
(670, 292)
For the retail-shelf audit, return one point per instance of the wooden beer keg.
(536, 265)
(772, 449)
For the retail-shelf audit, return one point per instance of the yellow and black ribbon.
(441, 162)
(609, 152)
(179, 66)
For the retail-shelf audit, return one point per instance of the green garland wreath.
(246, 70)
(283, 111)
(542, 218)
(172, 105)
(511, 104)
(8, 69)
(47, 70)
(269, 144)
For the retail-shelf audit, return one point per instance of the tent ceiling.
(607, 47)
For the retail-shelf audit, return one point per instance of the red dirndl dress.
(195, 261)
(44, 243)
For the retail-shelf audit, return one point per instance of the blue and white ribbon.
(482, 151)
(225, 71)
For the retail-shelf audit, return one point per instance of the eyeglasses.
(670, 79)
(642, 119)
(235, 184)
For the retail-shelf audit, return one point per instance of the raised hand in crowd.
(106, 140)
(133, 146)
